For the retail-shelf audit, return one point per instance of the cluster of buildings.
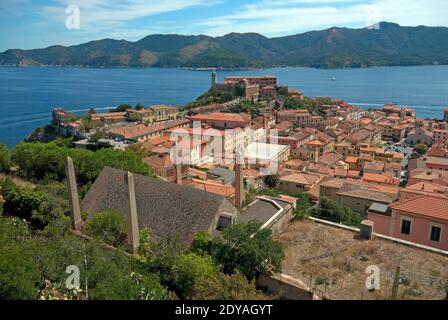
(338, 154)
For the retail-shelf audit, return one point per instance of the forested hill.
(389, 45)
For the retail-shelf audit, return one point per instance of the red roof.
(221, 116)
(426, 205)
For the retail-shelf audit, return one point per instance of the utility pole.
(396, 284)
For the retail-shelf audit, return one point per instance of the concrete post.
(178, 168)
(133, 234)
(366, 230)
(239, 179)
(75, 209)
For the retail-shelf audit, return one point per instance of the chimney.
(75, 209)
(239, 181)
(133, 234)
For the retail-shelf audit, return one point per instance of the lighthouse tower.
(214, 77)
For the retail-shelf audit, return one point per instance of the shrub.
(5, 159)
(108, 226)
(191, 270)
(23, 202)
(201, 243)
(246, 248)
(332, 211)
(228, 287)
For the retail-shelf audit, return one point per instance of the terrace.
(333, 261)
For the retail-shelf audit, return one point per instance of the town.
(326, 177)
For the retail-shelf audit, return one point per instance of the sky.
(28, 24)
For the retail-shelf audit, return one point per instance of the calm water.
(27, 95)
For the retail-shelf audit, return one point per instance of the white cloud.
(281, 17)
(99, 16)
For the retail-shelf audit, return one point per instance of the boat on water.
(333, 79)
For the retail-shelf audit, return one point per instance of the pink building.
(422, 219)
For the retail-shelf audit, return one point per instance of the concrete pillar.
(133, 234)
(366, 230)
(178, 169)
(239, 179)
(75, 209)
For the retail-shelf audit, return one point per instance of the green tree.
(39, 161)
(328, 209)
(303, 205)
(5, 159)
(189, 271)
(139, 106)
(421, 149)
(108, 226)
(272, 181)
(246, 248)
(121, 108)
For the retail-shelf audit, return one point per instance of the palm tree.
(272, 180)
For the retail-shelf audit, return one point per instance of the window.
(405, 226)
(435, 234)
(223, 222)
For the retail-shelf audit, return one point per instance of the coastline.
(221, 68)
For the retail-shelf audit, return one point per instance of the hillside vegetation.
(391, 44)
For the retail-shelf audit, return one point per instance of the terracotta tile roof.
(351, 159)
(354, 174)
(212, 187)
(437, 161)
(135, 131)
(427, 186)
(435, 207)
(300, 178)
(371, 195)
(222, 116)
(315, 143)
(376, 166)
(380, 178)
(330, 158)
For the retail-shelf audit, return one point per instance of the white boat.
(334, 78)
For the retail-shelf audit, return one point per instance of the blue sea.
(27, 95)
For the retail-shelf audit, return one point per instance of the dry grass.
(342, 275)
(18, 181)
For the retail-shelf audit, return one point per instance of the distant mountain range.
(390, 45)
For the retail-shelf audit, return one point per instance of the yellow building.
(153, 114)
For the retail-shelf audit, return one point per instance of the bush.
(5, 159)
(201, 243)
(22, 202)
(246, 248)
(189, 271)
(40, 161)
(19, 275)
(28, 262)
(228, 287)
(332, 211)
(108, 226)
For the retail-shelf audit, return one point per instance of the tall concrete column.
(133, 234)
(239, 179)
(178, 168)
(75, 209)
